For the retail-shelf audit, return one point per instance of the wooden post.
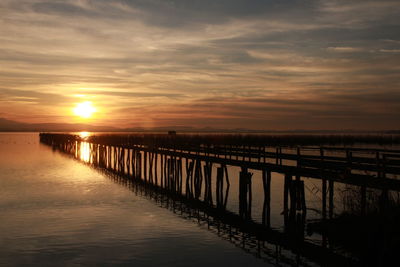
(162, 163)
(115, 158)
(277, 156)
(151, 159)
(242, 193)
(165, 172)
(288, 180)
(219, 187)
(250, 194)
(122, 160)
(135, 160)
(207, 183)
(168, 176)
(180, 175)
(198, 179)
(378, 165)
(109, 152)
(363, 201)
(189, 178)
(145, 166)
(331, 203)
(324, 187)
(227, 186)
(349, 161)
(245, 194)
(187, 189)
(156, 169)
(266, 216)
(324, 199)
(139, 165)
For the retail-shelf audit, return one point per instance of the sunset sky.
(272, 65)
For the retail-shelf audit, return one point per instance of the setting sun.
(84, 109)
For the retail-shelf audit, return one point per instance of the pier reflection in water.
(58, 211)
(204, 181)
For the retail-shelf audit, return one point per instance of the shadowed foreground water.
(57, 211)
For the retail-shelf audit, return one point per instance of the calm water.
(58, 211)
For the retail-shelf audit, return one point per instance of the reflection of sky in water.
(57, 211)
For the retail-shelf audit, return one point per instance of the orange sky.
(272, 65)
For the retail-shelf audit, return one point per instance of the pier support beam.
(266, 216)
(207, 182)
(189, 178)
(222, 172)
(245, 194)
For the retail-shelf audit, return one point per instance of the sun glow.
(84, 135)
(84, 109)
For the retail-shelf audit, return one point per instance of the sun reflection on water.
(84, 134)
(85, 151)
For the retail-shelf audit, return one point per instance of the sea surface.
(58, 211)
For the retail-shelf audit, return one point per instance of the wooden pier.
(183, 166)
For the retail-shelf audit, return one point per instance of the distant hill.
(14, 126)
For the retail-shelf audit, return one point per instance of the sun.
(84, 109)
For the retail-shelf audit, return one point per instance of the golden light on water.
(84, 134)
(84, 109)
(85, 152)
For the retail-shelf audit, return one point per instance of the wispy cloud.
(345, 49)
(390, 50)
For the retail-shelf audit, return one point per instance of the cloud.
(134, 94)
(243, 61)
(345, 49)
(33, 97)
(390, 50)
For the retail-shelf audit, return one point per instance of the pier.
(193, 172)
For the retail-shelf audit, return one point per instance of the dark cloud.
(181, 13)
(61, 8)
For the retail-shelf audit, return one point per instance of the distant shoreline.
(212, 131)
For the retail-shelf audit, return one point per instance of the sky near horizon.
(259, 64)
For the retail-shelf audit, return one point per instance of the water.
(58, 211)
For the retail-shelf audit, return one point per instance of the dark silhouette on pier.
(177, 171)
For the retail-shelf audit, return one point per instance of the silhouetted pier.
(182, 167)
